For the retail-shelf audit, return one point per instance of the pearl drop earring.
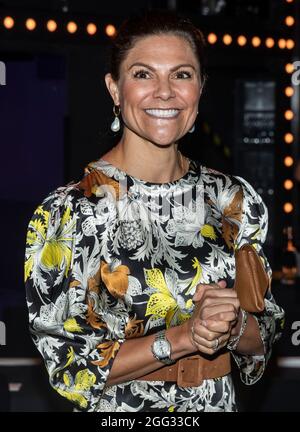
(115, 126)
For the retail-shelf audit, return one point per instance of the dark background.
(55, 116)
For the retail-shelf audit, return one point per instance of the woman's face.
(159, 88)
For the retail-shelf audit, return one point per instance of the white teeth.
(162, 112)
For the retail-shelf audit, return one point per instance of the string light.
(8, 22)
(242, 40)
(30, 24)
(289, 68)
(288, 138)
(227, 39)
(72, 27)
(110, 30)
(289, 21)
(270, 42)
(282, 43)
(289, 91)
(288, 161)
(288, 184)
(289, 115)
(288, 207)
(256, 41)
(212, 38)
(51, 25)
(290, 44)
(91, 28)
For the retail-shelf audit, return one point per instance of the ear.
(113, 89)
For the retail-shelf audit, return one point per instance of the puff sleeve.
(253, 230)
(76, 323)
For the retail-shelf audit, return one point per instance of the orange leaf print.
(95, 177)
(134, 328)
(116, 280)
(108, 351)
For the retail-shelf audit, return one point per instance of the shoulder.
(225, 182)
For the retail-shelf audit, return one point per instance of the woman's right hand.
(216, 311)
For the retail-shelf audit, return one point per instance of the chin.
(163, 140)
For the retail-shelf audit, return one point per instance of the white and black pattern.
(103, 264)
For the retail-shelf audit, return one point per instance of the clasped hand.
(216, 313)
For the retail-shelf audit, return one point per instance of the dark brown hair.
(155, 23)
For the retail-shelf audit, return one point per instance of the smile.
(163, 113)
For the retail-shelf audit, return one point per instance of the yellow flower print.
(74, 389)
(162, 304)
(72, 326)
(196, 265)
(49, 247)
(208, 231)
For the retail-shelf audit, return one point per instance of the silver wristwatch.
(161, 348)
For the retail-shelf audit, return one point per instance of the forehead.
(161, 49)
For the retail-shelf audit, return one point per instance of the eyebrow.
(172, 69)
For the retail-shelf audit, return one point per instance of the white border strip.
(288, 362)
(19, 361)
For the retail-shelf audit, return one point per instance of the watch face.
(162, 348)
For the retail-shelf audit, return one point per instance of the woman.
(129, 272)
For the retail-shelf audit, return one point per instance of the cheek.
(191, 96)
(133, 94)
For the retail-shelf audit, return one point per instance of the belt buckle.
(190, 372)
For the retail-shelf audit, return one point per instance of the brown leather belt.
(191, 371)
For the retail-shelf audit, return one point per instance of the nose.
(164, 89)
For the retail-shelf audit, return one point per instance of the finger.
(210, 300)
(224, 316)
(218, 326)
(220, 292)
(200, 289)
(208, 311)
(202, 332)
(208, 346)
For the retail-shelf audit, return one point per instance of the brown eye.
(183, 75)
(141, 74)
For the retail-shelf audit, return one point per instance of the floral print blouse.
(113, 257)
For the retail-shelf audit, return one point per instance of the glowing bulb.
(91, 28)
(288, 138)
(227, 39)
(288, 161)
(8, 22)
(290, 44)
(270, 42)
(30, 24)
(282, 43)
(110, 30)
(288, 184)
(289, 21)
(289, 91)
(288, 207)
(212, 38)
(289, 115)
(242, 40)
(72, 27)
(256, 41)
(51, 25)
(289, 68)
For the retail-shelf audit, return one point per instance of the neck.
(147, 161)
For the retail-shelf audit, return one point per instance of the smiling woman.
(130, 300)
